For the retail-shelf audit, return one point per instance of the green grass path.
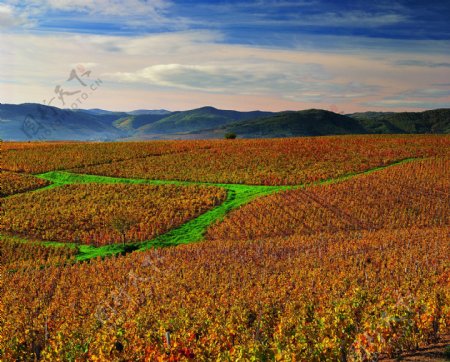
(191, 231)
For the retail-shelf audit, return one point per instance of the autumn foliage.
(40, 157)
(275, 162)
(304, 298)
(16, 253)
(12, 183)
(413, 194)
(106, 214)
(259, 161)
(352, 270)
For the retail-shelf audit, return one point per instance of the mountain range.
(30, 121)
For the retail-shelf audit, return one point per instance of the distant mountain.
(317, 122)
(197, 120)
(136, 124)
(139, 112)
(38, 122)
(98, 111)
(313, 122)
(434, 121)
(31, 121)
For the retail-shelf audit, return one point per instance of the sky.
(344, 56)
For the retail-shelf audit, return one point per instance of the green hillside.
(133, 123)
(313, 122)
(31, 121)
(198, 119)
(434, 121)
(206, 122)
(316, 122)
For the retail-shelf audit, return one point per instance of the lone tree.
(230, 136)
(122, 224)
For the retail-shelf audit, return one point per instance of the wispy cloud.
(422, 63)
(424, 98)
(10, 18)
(350, 19)
(89, 15)
(270, 53)
(254, 77)
(334, 92)
(424, 93)
(151, 8)
(407, 104)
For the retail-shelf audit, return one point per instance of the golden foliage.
(304, 298)
(257, 161)
(12, 183)
(104, 214)
(413, 194)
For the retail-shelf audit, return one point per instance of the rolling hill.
(197, 120)
(140, 112)
(434, 121)
(313, 122)
(136, 124)
(316, 122)
(32, 121)
(38, 122)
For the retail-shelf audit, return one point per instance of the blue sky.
(266, 54)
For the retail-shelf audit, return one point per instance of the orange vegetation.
(413, 194)
(258, 161)
(276, 161)
(104, 214)
(12, 183)
(304, 298)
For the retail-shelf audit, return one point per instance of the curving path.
(191, 231)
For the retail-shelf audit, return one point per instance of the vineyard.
(106, 214)
(40, 157)
(12, 183)
(413, 194)
(278, 162)
(357, 295)
(16, 254)
(260, 162)
(314, 249)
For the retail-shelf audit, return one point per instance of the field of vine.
(260, 162)
(344, 296)
(275, 162)
(40, 157)
(105, 214)
(17, 254)
(12, 183)
(350, 263)
(412, 194)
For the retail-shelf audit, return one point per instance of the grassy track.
(191, 231)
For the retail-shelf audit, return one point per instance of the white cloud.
(422, 63)
(104, 7)
(110, 7)
(255, 76)
(355, 19)
(397, 103)
(195, 67)
(87, 65)
(129, 14)
(9, 17)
